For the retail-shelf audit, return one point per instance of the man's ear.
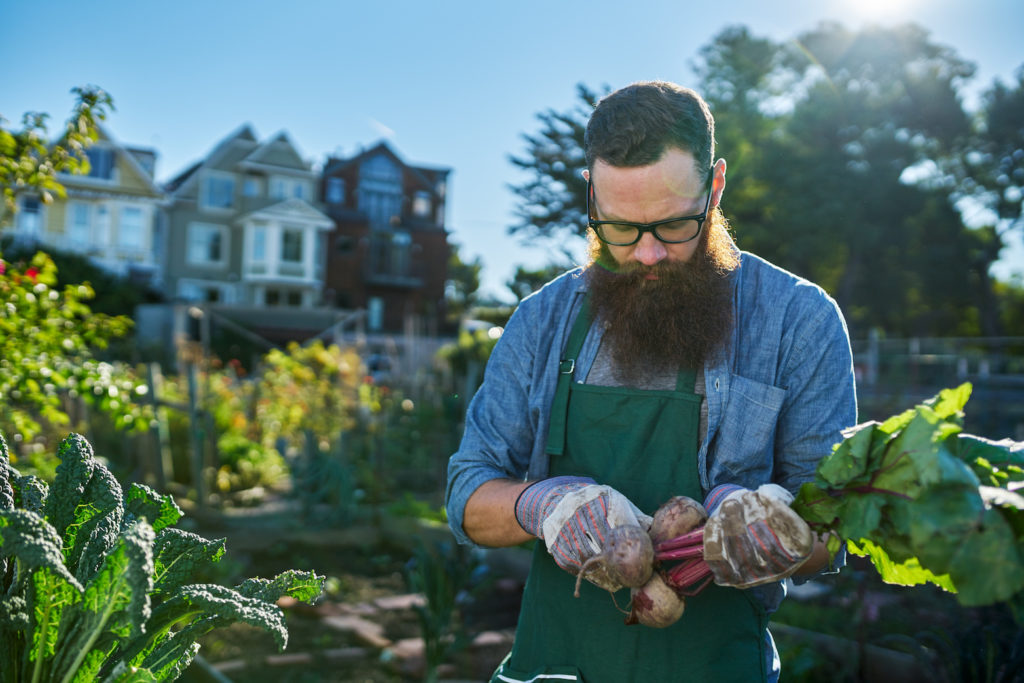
(718, 182)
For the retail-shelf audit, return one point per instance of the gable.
(277, 152)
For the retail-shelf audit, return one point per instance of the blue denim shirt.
(777, 399)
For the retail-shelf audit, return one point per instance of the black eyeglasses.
(671, 230)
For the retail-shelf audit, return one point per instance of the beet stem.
(690, 591)
(694, 537)
(680, 553)
(688, 573)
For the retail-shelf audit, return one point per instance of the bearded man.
(672, 364)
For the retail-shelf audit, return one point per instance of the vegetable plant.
(926, 502)
(94, 580)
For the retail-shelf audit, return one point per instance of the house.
(389, 252)
(243, 227)
(109, 215)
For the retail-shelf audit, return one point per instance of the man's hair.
(634, 125)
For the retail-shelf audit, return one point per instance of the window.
(101, 162)
(421, 204)
(101, 229)
(79, 225)
(288, 188)
(218, 191)
(381, 208)
(375, 313)
(380, 190)
(259, 244)
(390, 253)
(335, 190)
(200, 291)
(251, 186)
(29, 219)
(294, 297)
(291, 245)
(401, 244)
(319, 249)
(272, 297)
(206, 244)
(129, 230)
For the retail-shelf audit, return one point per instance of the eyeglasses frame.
(641, 228)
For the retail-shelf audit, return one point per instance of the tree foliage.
(463, 283)
(526, 281)
(29, 163)
(848, 152)
(552, 198)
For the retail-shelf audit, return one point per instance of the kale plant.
(94, 580)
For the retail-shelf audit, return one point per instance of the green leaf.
(997, 463)
(7, 476)
(178, 555)
(96, 524)
(116, 598)
(51, 595)
(1002, 574)
(909, 573)
(949, 403)
(73, 475)
(30, 493)
(123, 673)
(218, 606)
(28, 537)
(850, 459)
(161, 511)
(173, 656)
(939, 521)
(861, 515)
(301, 585)
(816, 506)
(914, 459)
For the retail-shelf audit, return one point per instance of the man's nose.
(649, 250)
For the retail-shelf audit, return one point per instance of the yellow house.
(110, 215)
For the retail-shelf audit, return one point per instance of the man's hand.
(574, 515)
(753, 537)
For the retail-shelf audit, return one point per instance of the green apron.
(643, 444)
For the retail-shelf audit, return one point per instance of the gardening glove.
(574, 515)
(753, 537)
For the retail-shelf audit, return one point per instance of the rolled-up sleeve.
(500, 430)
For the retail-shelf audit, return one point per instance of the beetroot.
(675, 517)
(627, 560)
(656, 604)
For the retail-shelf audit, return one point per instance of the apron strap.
(686, 380)
(566, 372)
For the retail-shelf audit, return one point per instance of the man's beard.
(679, 320)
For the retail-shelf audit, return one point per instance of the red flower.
(32, 274)
(3, 267)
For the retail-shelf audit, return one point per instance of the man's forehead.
(673, 162)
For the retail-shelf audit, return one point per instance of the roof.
(427, 175)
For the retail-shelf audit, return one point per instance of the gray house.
(243, 228)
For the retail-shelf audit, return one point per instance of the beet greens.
(926, 503)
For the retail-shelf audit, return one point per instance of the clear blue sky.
(448, 83)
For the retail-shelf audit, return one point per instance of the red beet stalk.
(692, 538)
(680, 553)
